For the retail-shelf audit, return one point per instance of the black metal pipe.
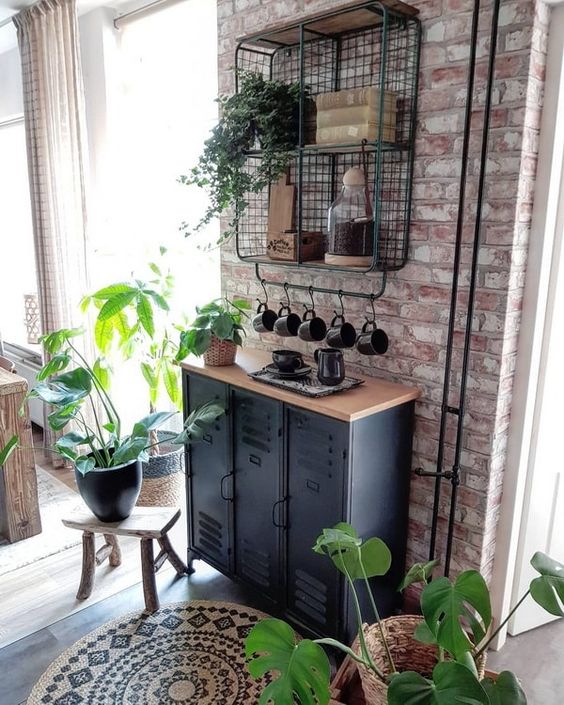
(324, 290)
(455, 275)
(473, 276)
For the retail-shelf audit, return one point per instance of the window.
(162, 111)
(18, 285)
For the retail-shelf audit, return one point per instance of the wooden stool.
(145, 523)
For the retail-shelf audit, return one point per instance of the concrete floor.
(536, 657)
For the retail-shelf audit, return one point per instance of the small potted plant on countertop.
(107, 461)
(436, 659)
(263, 112)
(216, 332)
(134, 317)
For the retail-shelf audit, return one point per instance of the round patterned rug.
(185, 653)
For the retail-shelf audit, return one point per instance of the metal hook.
(310, 292)
(340, 294)
(371, 299)
(287, 304)
(263, 284)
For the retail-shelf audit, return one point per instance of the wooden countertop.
(373, 396)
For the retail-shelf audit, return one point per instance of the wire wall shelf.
(368, 45)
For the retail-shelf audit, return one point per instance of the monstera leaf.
(505, 690)
(65, 389)
(350, 555)
(548, 589)
(302, 666)
(452, 684)
(449, 610)
(199, 419)
(418, 573)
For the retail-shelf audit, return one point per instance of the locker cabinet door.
(316, 465)
(258, 511)
(210, 478)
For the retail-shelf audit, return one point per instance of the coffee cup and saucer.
(288, 364)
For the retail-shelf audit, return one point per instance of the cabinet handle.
(255, 460)
(274, 512)
(207, 438)
(223, 495)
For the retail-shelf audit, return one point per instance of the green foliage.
(505, 690)
(418, 573)
(262, 111)
(221, 318)
(8, 449)
(302, 666)
(199, 419)
(133, 319)
(350, 555)
(452, 684)
(450, 608)
(548, 589)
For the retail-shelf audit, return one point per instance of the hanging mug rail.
(323, 290)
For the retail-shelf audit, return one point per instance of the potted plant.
(262, 113)
(216, 332)
(134, 317)
(107, 461)
(437, 661)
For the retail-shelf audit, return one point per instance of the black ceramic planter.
(111, 493)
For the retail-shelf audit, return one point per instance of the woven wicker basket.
(163, 476)
(220, 352)
(407, 653)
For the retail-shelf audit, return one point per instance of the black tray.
(308, 386)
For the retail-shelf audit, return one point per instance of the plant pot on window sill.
(220, 352)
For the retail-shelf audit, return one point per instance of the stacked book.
(353, 115)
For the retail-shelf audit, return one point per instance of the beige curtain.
(56, 147)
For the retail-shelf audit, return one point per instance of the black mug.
(265, 319)
(287, 360)
(330, 366)
(341, 334)
(313, 329)
(374, 342)
(287, 323)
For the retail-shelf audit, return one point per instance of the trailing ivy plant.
(457, 616)
(69, 384)
(262, 113)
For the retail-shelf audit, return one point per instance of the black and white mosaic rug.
(185, 653)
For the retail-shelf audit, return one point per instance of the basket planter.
(163, 477)
(220, 352)
(407, 653)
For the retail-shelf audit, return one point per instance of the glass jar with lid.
(351, 223)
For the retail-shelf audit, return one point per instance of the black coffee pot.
(330, 366)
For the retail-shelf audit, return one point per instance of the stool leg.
(148, 570)
(177, 563)
(115, 555)
(88, 566)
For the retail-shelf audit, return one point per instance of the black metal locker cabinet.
(258, 502)
(210, 481)
(316, 499)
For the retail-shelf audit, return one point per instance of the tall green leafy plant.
(70, 385)
(262, 112)
(134, 317)
(457, 617)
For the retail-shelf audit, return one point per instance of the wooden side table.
(19, 504)
(146, 524)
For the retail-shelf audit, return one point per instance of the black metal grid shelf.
(361, 45)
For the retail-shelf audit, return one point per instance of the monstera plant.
(456, 620)
(107, 460)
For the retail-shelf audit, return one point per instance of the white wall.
(11, 101)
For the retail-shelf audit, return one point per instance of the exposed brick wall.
(414, 309)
